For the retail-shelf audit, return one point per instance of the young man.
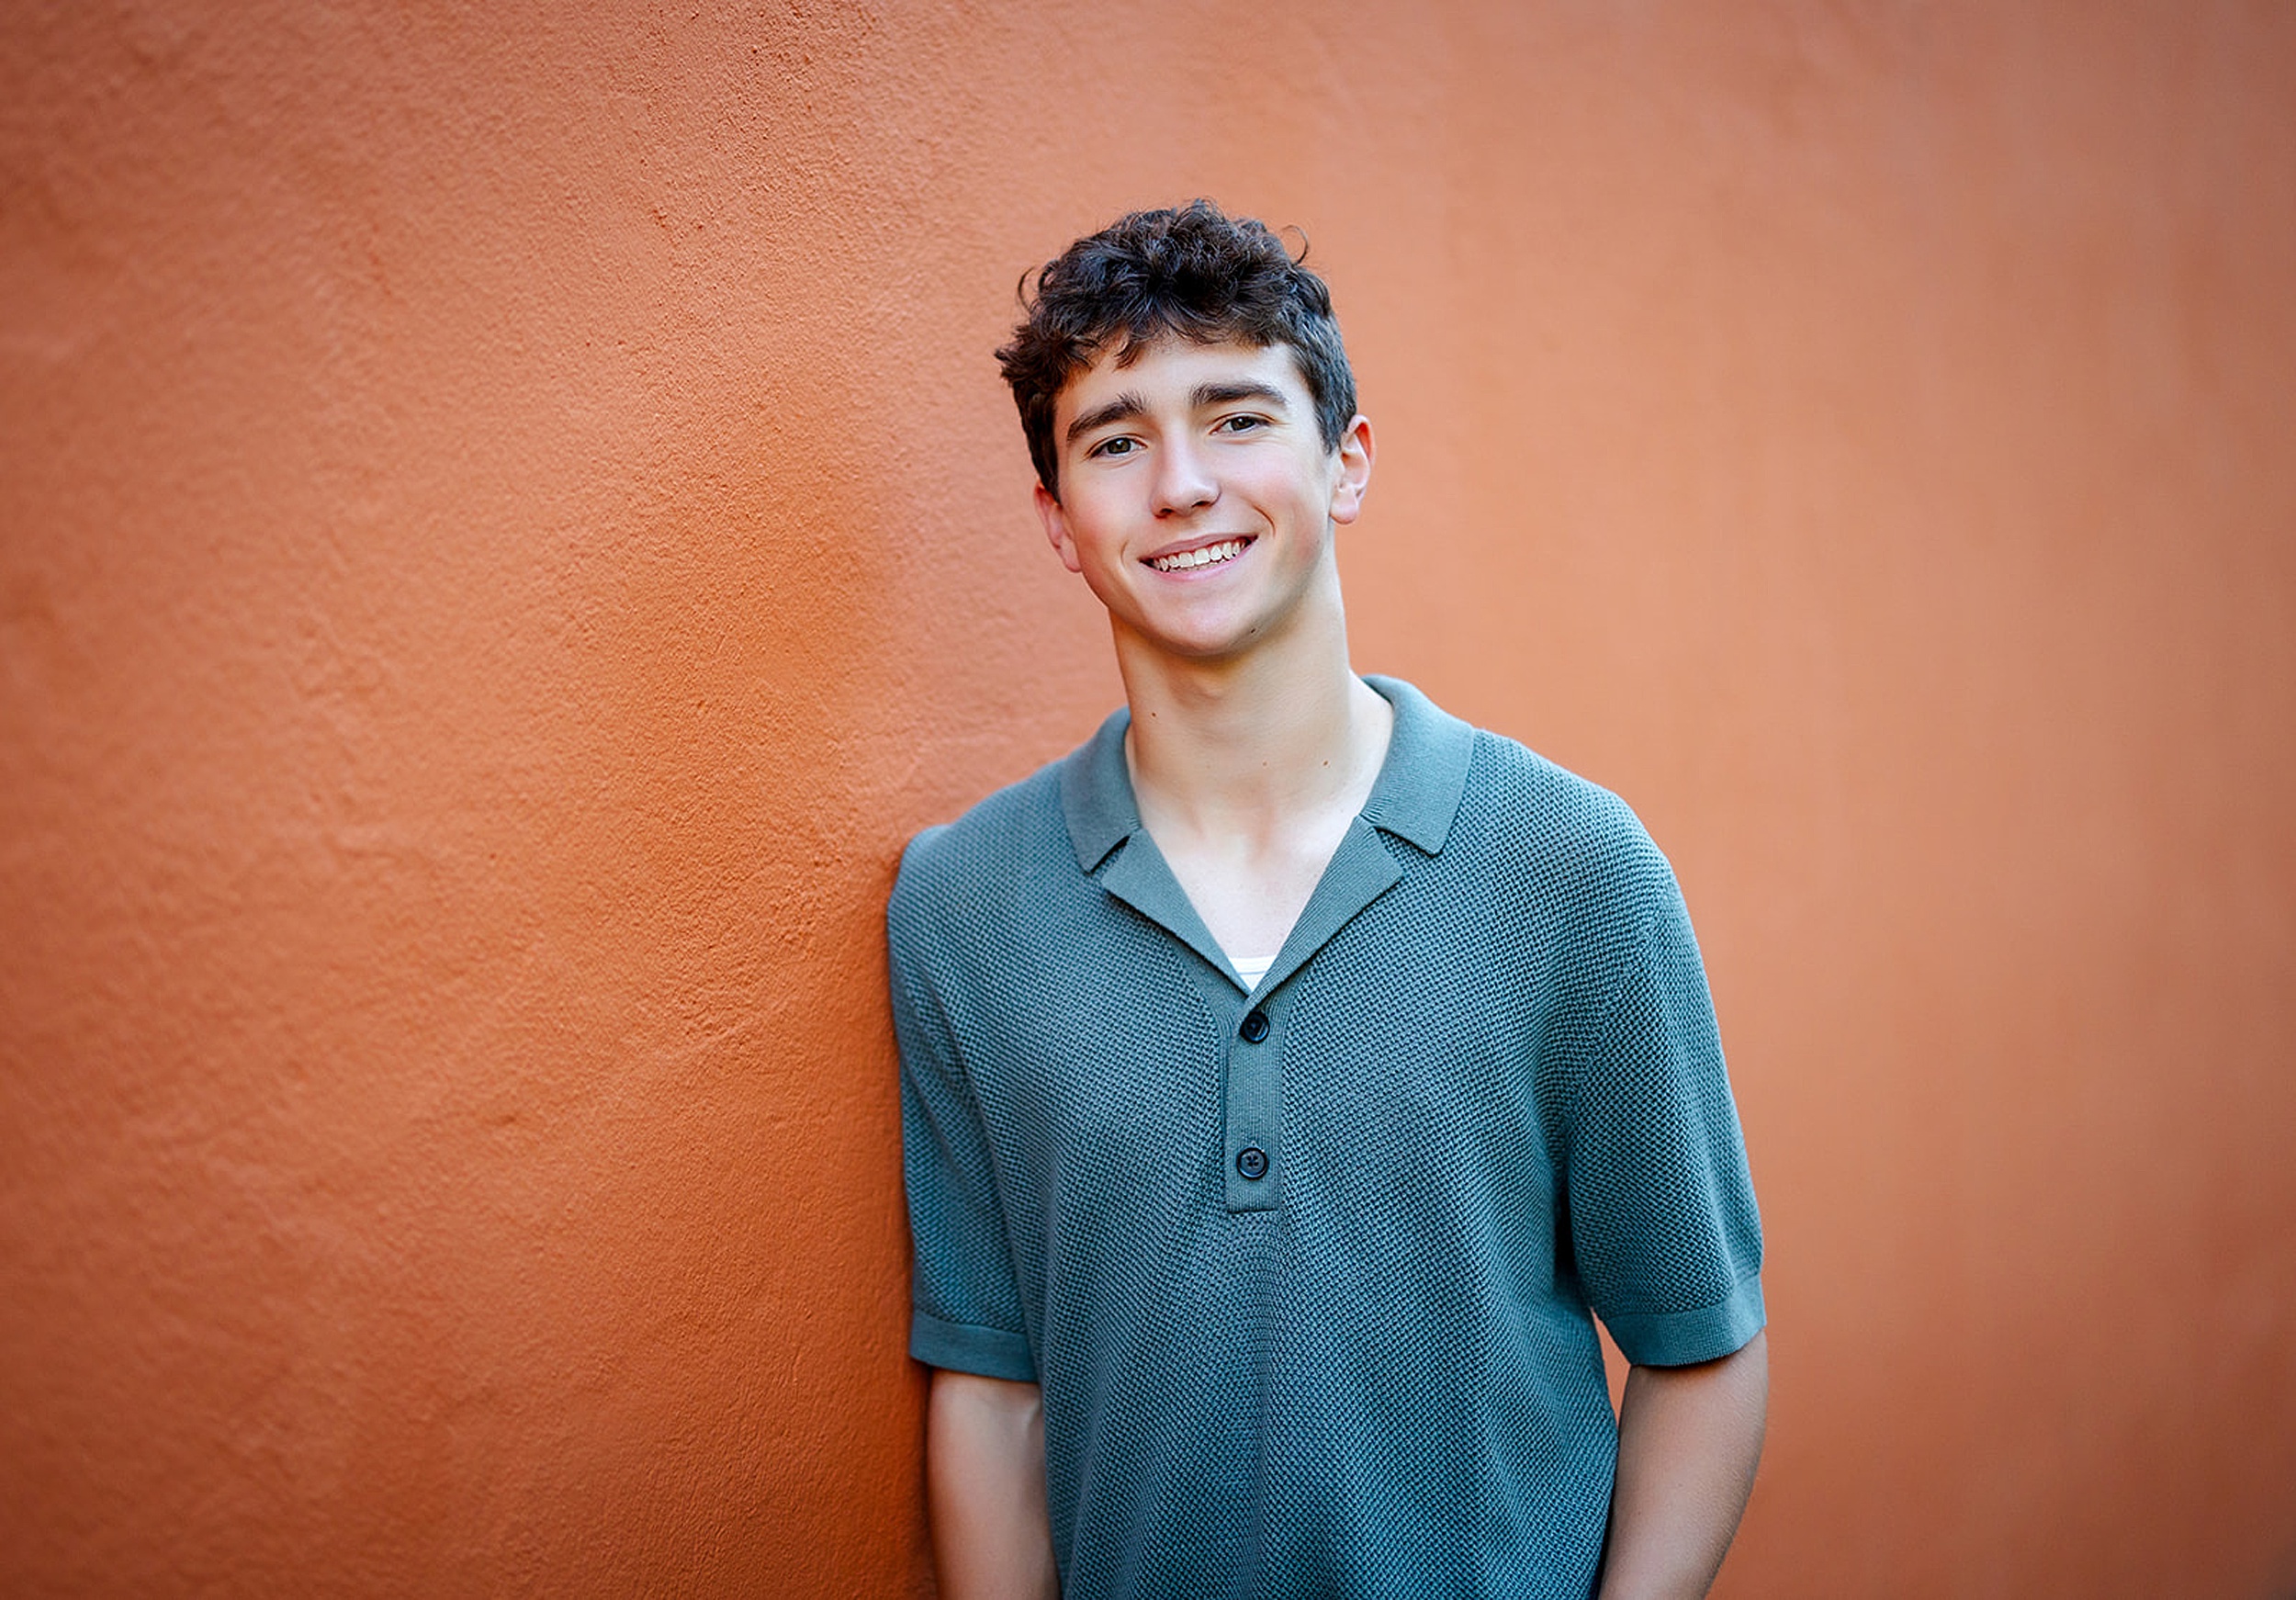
(1290, 1071)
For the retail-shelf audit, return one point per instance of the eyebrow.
(1126, 406)
(1220, 394)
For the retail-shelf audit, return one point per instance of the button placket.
(1255, 1097)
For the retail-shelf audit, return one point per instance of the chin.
(1209, 650)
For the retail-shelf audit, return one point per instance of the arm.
(1688, 1440)
(985, 1488)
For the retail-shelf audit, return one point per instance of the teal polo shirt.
(1306, 1274)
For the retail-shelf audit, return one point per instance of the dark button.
(1252, 1161)
(1254, 1029)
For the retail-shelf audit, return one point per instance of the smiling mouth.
(1206, 556)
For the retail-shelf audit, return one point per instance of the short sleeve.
(965, 1311)
(1663, 1228)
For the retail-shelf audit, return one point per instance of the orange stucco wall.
(507, 521)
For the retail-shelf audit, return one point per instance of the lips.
(1211, 555)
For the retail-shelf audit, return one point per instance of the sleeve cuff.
(1684, 1339)
(984, 1352)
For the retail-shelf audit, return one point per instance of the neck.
(1243, 744)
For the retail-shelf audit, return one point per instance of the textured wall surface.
(507, 521)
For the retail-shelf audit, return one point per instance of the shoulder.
(1503, 820)
(1003, 832)
(1529, 822)
(1508, 780)
(954, 869)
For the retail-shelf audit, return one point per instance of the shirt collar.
(1424, 776)
(1415, 797)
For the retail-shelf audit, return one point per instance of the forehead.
(1167, 371)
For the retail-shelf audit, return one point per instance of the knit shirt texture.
(1306, 1275)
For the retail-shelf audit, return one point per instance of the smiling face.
(1198, 498)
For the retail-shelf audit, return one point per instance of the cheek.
(1098, 524)
(1298, 509)
(1295, 486)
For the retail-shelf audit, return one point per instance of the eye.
(1122, 444)
(1241, 422)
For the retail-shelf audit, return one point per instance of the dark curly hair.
(1190, 271)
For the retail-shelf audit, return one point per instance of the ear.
(1055, 520)
(1355, 452)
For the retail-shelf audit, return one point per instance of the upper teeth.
(1226, 550)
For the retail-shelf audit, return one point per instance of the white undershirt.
(1251, 969)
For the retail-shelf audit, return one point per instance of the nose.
(1184, 480)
